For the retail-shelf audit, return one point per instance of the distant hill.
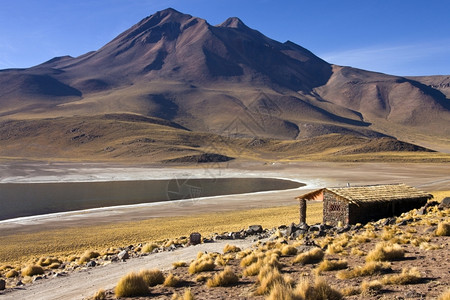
(227, 80)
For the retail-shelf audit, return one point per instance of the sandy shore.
(428, 177)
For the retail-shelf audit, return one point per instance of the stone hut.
(361, 204)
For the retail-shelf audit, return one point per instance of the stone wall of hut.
(334, 210)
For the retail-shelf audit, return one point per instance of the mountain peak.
(234, 22)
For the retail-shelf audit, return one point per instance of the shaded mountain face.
(228, 79)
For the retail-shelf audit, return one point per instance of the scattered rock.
(195, 238)
(37, 278)
(19, 283)
(445, 203)
(91, 264)
(123, 255)
(255, 229)
(2, 284)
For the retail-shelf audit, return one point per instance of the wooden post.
(302, 211)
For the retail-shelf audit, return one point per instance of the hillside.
(228, 80)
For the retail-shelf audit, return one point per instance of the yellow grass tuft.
(147, 248)
(99, 295)
(370, 268)
(445, 295)
(248, 260)
(427, 246)
(186, 296)
(131, 285)
(47, 261)
(386, 252)
(408, 276)
(320, 290)
(350, 291)
(443, 229)
(179, 264)
(369, 288)
(220, 260)
(268, 277)
(311, 257)
(11, 274)
(281, 291)
(225, 278)
(288, 250)
(87, 256)
(32, 270)
(231, 248)
(172, 281)
(152, 277)
(358, 252)
(331, 265)
(201, 265)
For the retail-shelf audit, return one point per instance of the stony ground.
(414, 232)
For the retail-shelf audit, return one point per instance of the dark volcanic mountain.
(226, 79)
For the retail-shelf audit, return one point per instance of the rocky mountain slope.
(229, 80)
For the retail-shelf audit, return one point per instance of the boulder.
(91, 264)
(255, 229)
(445, 203)
(195, 238)
(2, 284)
(123, 255)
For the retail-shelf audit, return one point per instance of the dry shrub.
(72, 258)
(179, 264)
(172, 281)
(186, 296)
(231, 248)
(201, 265)
(408, 276)
(325, 241)
(99, 295)
(370, 268)
(311, 257)
(269, 259)
(147, 248)
(331, 265)
(443, 229)
(386, 252)
(244, 253)
(334, 249)
(87, 256)
(445, 295)
(32, 270)
(370, 287)
(47, 261)
(152, 277)
(288, 250)
(5, 267)
(11, 274)
(268, 277)
(350, 291)
(320, 290)
(131, 285)
(220, 260)
(248, 260)
(54, 265)
(388, 234)
(358, 252)
(282, 291)
(225, 278)
(427, 246)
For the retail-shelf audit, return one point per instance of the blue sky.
(391, 36)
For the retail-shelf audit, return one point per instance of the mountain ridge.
(231, 80)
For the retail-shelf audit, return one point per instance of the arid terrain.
(176, 98)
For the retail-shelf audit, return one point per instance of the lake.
(28, 199)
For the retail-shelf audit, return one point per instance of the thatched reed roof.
(371, 193)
